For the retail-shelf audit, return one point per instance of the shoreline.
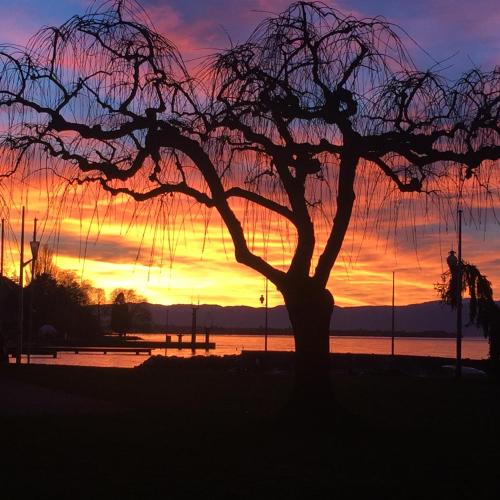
(333, 333)
(283, 361)
(340, 363)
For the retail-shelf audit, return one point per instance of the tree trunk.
(310, 309)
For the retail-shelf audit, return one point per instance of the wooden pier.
(172, 344)
(126, 347)
(54, 350)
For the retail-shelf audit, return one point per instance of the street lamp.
(455, 264)
(459, 297)
(34, 245)
(262, 300)
(2, 247)
(393, 312)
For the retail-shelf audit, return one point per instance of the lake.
(472, 348)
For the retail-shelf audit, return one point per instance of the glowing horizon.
(196, 263)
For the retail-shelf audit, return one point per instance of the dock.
(54, 350)
(172, 344)
(126, 347)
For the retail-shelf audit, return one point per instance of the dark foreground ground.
(212, 430)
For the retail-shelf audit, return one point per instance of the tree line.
(59, 305)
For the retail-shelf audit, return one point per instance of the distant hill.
(428, 316)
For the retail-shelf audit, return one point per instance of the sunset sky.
(114, 243)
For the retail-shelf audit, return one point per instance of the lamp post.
(262, 300)
(193, 328)
(34, 246)
(2, 238)
(22, 264)
(459, 298)
(455, 264)
(393, 311)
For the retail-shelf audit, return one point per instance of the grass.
(187, 432)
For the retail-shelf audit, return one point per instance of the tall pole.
(266, 318)
(166, 330)
(392, 322)
(193, 327)
(34, 252)
(21, 295)
(2, 248)
(459, 298)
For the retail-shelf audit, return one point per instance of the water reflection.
(472, 348)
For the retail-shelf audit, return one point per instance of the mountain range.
(424, 317)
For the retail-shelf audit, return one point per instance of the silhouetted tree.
(97, 297)
(483, 311)
(139, 315)
(313, 101)
(61, 302)
(9, 303)
(45, 261)
(130, 295)
(120, 315)
(78, 293)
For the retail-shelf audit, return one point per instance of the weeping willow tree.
(289, 123)
(483, 311)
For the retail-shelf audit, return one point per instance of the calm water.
(473, 348)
